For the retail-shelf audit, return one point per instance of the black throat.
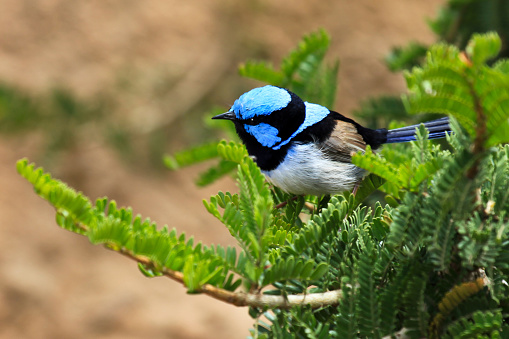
(265, 157)
(286, 120)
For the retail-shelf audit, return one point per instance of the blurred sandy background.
(163, 63)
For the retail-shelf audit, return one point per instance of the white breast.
(307, 170)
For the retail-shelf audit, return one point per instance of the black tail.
(436, 129)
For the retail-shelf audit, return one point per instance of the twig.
(314, 300)
(481, 136)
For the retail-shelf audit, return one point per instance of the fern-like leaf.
(462, 85)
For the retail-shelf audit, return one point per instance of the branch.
(314, 300)
(481, 135)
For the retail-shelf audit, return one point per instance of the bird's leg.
(307, 205)
(310, 207)
(284, 203)
(356, 188)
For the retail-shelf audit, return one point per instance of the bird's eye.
(251, 120)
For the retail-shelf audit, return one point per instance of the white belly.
(306, 170)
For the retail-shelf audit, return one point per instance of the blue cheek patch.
(264, 133)
(260, 101)
(314, 114)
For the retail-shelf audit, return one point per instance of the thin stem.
(480, 137)
(314, 300)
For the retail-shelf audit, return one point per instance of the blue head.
(268, 118)
(261, 101)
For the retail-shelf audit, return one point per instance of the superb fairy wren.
(305, 148)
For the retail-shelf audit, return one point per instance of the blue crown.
(260, 101)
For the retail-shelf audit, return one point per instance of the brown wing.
(343, 142)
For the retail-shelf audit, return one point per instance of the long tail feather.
(436, 129)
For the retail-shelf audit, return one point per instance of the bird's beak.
(230, 115)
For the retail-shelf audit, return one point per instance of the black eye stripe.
(255, 120)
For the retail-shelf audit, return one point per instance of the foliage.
(303, 71)
(460, 19)
(448, 77)
(248, 216)
(455, 23)
(57, 115)
(434, 263)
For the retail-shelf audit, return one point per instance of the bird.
(304, 148)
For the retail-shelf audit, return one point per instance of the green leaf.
(214, 173)
(471, 91)
(319, 271)
(483, 47)
(406, 57)
(311, 49)
(191, 156)
(370, 184)
(377, 165)
(262, 71)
